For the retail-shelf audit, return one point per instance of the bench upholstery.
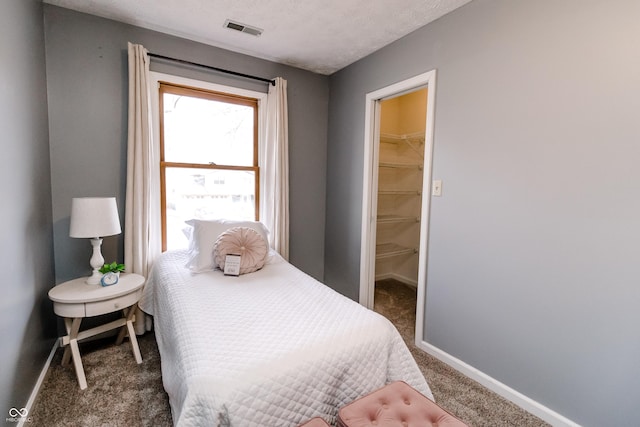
(395, 405)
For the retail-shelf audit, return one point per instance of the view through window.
(209, 158)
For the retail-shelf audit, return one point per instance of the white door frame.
(370, 190)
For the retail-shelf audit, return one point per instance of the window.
(208, 158)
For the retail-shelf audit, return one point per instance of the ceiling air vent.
(254, 31)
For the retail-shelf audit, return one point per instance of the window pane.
(199, 130)
(206, 194)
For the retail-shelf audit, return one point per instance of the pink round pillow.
(243, 241)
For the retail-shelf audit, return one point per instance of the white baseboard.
(383, 276)
(399, 278)
(406, 280)
(496, 386)
(38, 384)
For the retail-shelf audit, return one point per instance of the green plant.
(114, 267)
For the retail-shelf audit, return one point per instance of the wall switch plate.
(436, 188)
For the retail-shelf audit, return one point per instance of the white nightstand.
(75, 300)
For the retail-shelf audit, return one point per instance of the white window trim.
(156, 78)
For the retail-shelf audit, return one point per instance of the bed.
(271, 348)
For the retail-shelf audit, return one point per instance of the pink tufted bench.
(315, 422)
(395, 405)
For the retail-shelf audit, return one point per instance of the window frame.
(213, 91)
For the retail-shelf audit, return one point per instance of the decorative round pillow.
(243, 241)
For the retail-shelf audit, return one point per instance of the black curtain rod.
(221, 70)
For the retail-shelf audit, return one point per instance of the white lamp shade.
(93, 217)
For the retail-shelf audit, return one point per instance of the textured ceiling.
(320, 36)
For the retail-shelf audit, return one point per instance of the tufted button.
(385, 406)
(407, 402)
(405, 424)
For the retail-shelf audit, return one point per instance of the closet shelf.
(400, 165)
(410, 139)
(387, 250)
(400, 192)
(391, 138)
(389, 219)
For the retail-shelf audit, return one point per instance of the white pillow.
(243, 241)
(204, 236)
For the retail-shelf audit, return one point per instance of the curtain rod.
(235, 73)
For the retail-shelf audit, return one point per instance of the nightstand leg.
(75, 352)
(123, 331)
(134, 342)
(77, 363)
(129, 315)
(66, 356)
(67, 350)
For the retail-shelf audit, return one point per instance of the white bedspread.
(270, 348)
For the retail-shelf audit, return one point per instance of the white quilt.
(270, 348)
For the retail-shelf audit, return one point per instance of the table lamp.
(94, 218)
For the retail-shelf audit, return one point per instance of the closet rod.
(221, 70)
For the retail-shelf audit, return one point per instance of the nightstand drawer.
(113, 304)
(69, 310)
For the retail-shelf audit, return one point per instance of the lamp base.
(94, 279)
(96, 262)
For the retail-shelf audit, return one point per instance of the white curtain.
(142, 210)
(275, 169)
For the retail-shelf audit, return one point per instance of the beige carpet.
(120, 392)
(123, 393)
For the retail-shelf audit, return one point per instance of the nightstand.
(75, 300)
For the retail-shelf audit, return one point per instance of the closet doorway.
(397, 185)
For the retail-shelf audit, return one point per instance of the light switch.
(436, 188)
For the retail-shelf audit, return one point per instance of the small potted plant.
(110, 273)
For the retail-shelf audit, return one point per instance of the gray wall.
(87, 83)
(27, 326)
(533, 251)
